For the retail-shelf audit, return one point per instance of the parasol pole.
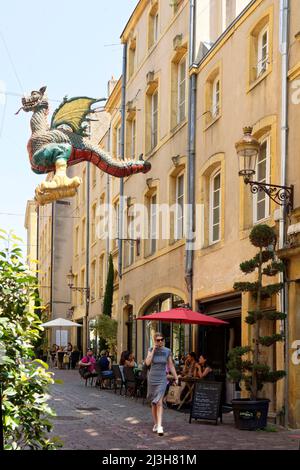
(179, 340)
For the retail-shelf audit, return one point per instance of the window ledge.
(114, 251)
(152, 152)
(256, 82)
(175, 243)
(178, 126)
(212, 122)
(211, 248)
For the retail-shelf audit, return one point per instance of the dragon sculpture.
(53, 149)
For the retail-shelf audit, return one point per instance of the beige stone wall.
(162, 272)
(31, 228)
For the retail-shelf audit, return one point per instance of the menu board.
(206, 401)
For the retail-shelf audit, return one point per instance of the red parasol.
(184, 315)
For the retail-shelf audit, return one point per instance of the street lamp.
(248, 149)
(87, 292)
(71, 277)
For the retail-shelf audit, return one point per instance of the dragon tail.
(106, 163)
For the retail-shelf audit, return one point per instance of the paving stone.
(121, 423)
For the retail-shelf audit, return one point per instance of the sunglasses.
(160, 339)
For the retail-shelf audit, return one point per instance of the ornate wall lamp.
(85, 290)
(248, 149)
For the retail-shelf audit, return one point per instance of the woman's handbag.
(174, 394)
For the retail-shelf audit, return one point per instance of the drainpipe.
(52, 267)
(121, 205)
(87, 259)
(191, 162)
(37, 239)
(108, 196)
(284, 48)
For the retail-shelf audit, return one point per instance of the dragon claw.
(59, 187)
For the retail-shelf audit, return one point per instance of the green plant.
(250, 369)
(24, 380)
(107, 328)
(109, 289)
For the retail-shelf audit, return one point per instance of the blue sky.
(61, 44)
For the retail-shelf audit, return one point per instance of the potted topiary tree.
(246, 363)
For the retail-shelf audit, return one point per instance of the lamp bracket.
(281, 195)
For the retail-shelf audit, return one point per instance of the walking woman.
(158, 358)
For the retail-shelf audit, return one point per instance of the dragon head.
(35, 100)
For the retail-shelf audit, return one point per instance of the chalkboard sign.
(207, 401)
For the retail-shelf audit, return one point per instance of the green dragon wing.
(72, 113)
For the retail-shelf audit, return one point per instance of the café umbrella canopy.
(183, 315)
(60, 323)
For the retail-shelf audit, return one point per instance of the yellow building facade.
(184, 108)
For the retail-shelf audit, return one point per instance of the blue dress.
(157, 377)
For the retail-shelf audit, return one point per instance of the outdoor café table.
(190, 383)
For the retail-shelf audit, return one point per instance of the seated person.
(189, 365)
(87, 365)
(104, 365)
(124, 357)
(203, 369)
(130, 361)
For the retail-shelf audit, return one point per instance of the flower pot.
(250, 415)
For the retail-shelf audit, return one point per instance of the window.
(153, 27)
(100, 230)
(83, 234)
(260, 49)
(261, 206)
(179, 225)
(83, 186)
(94, 180)
(119, 147)
(263, 51)
(182, 90)
(154, 120)
(151, 113)
(153, 224)
(93, 234)
(101, 275)
(215, 98)
(82, 284)
(116, 225)
(93, 280)
(215, 208)
(212, 97)
(76, 241)
(131, 58)
(74, 292)
(133, 139)
(130, 235)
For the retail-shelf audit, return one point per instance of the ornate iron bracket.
(281, 195)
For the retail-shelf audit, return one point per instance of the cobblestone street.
(116, 422)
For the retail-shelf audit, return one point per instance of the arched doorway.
(171, 331)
